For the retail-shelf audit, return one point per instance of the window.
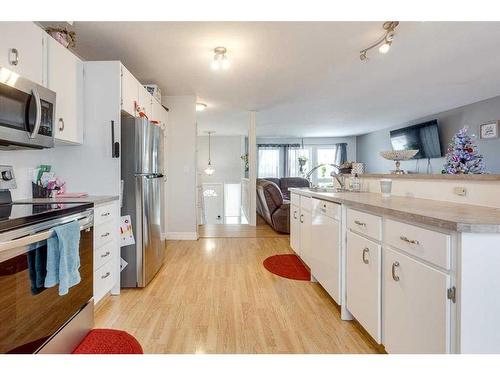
(294, 163)
(269, 163)
(325, 155)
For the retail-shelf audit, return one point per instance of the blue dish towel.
(63, 257)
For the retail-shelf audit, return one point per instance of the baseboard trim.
(182, 236)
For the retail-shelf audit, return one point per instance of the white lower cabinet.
(363, 283)
(325, 242)
(305, 236)
(106, 249)
(295, 229)
(416, 310)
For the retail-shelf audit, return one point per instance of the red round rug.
(287, 265)
(108, 341)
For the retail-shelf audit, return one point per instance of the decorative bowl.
(398, 155)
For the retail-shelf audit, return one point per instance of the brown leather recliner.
(271, 206)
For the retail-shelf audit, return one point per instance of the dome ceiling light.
(383, 43)
(220, 61)
(200, 107)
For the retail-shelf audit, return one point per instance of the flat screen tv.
(423, 137)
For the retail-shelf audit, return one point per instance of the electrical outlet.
(460, 190)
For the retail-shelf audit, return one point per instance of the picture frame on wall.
(489, 130)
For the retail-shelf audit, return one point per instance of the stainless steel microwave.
(27, 113)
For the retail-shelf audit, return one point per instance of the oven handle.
(38, 118)
(85, 223)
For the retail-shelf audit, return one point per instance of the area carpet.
(108, 341)
(287, 265)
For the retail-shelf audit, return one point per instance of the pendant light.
(209, 170)
(220, 61)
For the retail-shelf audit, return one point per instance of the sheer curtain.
(269, 162)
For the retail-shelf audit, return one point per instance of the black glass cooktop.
(17, 215)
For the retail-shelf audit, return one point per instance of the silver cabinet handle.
(405, 239)
(105, 214)
(105, 275)
(394, 276)
(295, 215)
(38, 118)
(61, 124)
(107, 253)
(13, 56)
(302, 219)
(105, 235)
(361, 224)
(365, 251)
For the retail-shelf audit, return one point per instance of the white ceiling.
(305, 78)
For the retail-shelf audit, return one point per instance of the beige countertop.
(446, 215)
(434, 177)
(95, 199)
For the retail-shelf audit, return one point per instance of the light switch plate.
(460, 190)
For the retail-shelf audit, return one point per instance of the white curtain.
(269, 162)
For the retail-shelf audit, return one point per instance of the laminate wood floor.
(214, 296)
(261, 230)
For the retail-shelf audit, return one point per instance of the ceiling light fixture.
(209, 170)
(200, 107)
(220, 61)
(383, 43)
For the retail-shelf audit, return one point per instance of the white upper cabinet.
(65, 77)
(157, 112)
(130, 92)
(145, 101)
(22, 50)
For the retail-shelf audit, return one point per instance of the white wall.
(181, 167)
(226, 159)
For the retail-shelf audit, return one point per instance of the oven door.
(29, 313)
(27, 112)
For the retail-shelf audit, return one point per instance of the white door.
(213, 203)
(305, 236)
(325, 242)
(65, 77)
(363, 283)
(295, 229)
(130, 92)
(416, 308)
(21, 49)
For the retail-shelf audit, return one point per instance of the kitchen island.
(415, 273)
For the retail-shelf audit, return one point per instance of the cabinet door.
(65, 77)
(130, 92)
(305, 237)
(295, 229)
(145, 101)
(416, 308)
(325, 245)
(156, 111)
(27, 39)
(363, 283)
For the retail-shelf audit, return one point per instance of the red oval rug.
(287, 265)
(108, 341)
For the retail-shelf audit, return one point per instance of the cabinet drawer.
(367, 224)
(363, 283)
(431, 246)
(306, 203)
(104, 233)
(105, 253)
(295, 199)
(330, 209)
(104, 213)
(104, 279)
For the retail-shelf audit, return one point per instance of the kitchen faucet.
(334, 174)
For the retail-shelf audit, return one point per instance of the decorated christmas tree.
(462, 156)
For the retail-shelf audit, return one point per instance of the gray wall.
(226, 158)
(472, 115)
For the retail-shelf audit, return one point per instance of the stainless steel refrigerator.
(142, 176)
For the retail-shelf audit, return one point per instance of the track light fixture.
(384, 42)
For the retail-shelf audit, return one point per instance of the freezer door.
(153, 249)
(147, 143)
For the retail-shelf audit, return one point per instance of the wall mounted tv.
(423, 137)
